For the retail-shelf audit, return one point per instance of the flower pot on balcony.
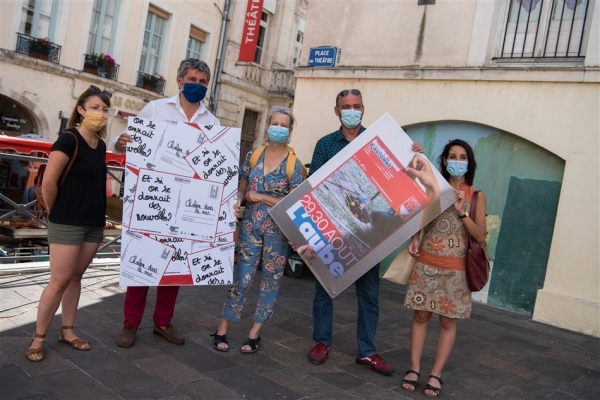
(149, 86)
(41, 54)
(90, 69)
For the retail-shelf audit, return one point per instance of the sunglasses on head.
(281, 109)
(346, 92)
(97, 90)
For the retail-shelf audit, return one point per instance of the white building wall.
(54, 88)
(438, 63)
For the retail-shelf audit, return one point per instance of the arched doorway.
(522, 183)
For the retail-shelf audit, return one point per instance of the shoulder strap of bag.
(63, 176)
(473, 206)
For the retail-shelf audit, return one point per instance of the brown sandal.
(32, 351)
(75, 343)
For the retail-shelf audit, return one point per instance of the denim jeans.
(367, 292)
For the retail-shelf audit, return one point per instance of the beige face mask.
(94, 120)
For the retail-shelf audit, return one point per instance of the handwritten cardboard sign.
(218, 161)
(144, 260)
(212, 266)
(167, 204)
(177, 207)
(361, 205)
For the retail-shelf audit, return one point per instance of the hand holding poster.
(362, 204)
(175, 212)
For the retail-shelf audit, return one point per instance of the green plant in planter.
(40, 45)
(151, 80)
(99, 62)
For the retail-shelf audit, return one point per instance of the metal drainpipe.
(219, 64)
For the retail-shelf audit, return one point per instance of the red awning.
(126, 114)
(41, 148)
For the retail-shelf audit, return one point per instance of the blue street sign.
(323, 56)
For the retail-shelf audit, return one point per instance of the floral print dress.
(260, 239)
(439, 289)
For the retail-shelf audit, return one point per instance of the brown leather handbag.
(478, 259)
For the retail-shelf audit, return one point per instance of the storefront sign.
(130, 104)
(250, 32)
(12, 123)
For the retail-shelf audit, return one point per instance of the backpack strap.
(256, 155)
(290, 163)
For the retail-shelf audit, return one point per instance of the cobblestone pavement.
(498, 354)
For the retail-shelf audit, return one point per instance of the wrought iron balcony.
(98, 66)
(38, 48)
(154, 83)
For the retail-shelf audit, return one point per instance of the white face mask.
(351, 118)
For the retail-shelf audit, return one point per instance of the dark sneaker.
(377, 363)
(318, 353)
(169, 333)
(126, 337)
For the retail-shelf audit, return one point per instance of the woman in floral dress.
(438, 282)
(260, 239)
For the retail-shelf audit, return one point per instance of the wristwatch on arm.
(465, 215)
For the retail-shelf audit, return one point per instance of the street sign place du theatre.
(323, 56)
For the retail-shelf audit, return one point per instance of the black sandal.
(410, 381)
(435, 390)
(218, 339)
(254, 345)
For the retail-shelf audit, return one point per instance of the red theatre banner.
(250, 33)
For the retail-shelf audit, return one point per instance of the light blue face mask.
(278, 134)
(351, 118)
(457, 168)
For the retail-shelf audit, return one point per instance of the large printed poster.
(362, 204)
(179, 192)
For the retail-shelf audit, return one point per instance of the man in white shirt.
(193, 76)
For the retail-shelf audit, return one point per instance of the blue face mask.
(457, 168)
(278, 134)
(351, 118)
(194, 92)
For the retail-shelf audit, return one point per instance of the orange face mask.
(94, 120)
